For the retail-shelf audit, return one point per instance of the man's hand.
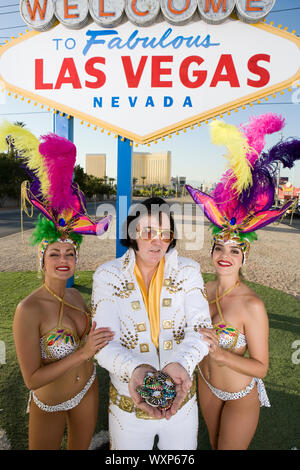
(137, 379)
(183, 383)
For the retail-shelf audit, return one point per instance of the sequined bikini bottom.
(66, 405)
(262, 394)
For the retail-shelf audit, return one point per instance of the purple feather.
(35, 188)
(226, 199)
(286, 152)
(35, 185)
(79, 203)
(261, 195)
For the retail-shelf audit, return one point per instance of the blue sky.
(193, 155)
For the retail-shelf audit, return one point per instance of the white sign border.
(168, 130)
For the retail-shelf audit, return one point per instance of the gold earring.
(40, 273)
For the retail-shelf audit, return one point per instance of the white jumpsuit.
(118, 303)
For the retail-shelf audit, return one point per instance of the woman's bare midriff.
(66, 386)
(223, 377)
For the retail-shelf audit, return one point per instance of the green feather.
(76, 237)
(250, 236)
(45, 230)
(215, 229)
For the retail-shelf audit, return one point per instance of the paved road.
(295, 222)
(10, 219)
(10, 222)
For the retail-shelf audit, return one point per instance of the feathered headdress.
(50, 164)
(241, 201)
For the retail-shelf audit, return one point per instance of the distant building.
(95, 164)
(178, 182)
(152, 168)
(283, 180)
(288, 191)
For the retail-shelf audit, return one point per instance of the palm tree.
(10, 150)
(143, 178)
(20, 124)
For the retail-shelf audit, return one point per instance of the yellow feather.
(237, 145)
(27, 145)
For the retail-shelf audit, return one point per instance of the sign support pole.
(124, 189)
(64, 127)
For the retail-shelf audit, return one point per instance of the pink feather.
(256, 130)
(59, 155)
(226, 199)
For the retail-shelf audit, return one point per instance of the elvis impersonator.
(155, 303)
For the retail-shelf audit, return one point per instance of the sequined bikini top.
(229, 336)
(61, 341)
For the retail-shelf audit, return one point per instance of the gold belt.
(126, 403)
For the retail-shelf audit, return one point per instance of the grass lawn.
(279, 425)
